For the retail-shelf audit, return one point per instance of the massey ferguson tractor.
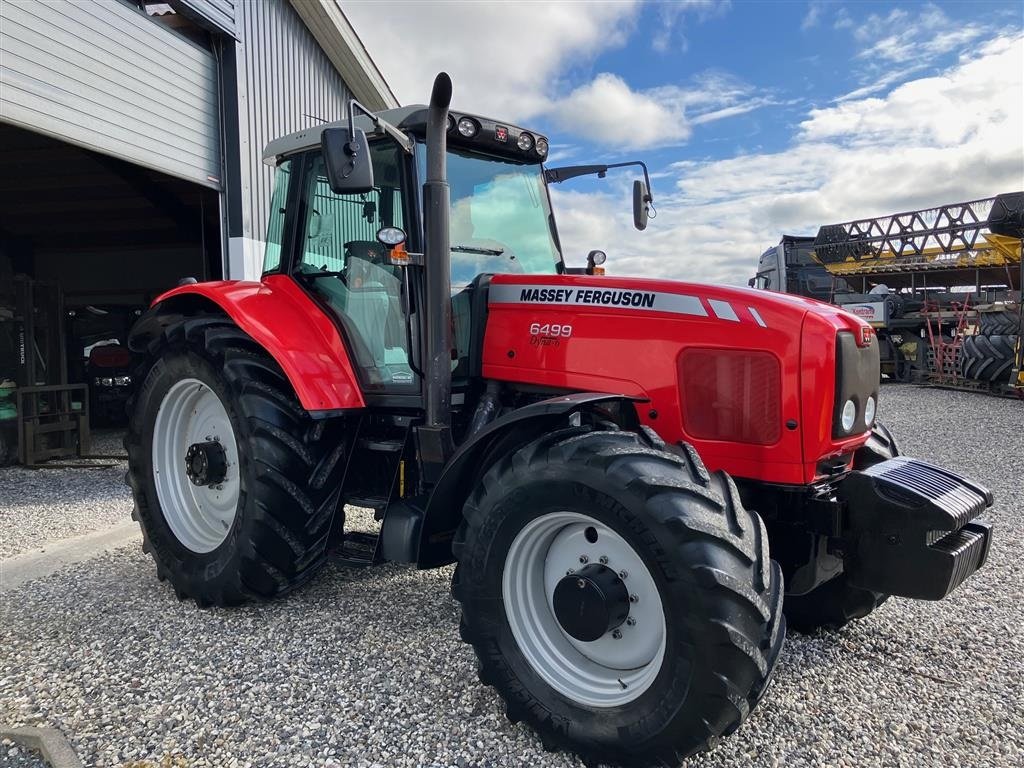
(640, 481)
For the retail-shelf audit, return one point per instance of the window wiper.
(477, 249)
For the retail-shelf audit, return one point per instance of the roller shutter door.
(104, 76)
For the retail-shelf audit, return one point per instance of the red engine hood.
(628, 335)
(726, 303)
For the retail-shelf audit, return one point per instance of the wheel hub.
(590, 602)
(206, 463)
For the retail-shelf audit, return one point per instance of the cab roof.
(413, 119)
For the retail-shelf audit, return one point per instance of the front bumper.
(912, 528)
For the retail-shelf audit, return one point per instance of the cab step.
(357, 550)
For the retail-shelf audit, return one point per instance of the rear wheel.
(235, 485)
(618, 597)
(836, 603)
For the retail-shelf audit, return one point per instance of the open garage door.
(86, 242)
(105, 76)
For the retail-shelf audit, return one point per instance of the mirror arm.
(558, 175)
(381, 127)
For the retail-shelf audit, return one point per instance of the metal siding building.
(285, 82)
(193, 91)
(104, 76)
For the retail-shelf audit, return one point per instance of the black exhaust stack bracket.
(911, 528)
(434, 439)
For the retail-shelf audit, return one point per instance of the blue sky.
(756, 118)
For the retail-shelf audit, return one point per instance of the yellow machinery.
(942, 286)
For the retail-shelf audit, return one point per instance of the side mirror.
(347, 160)
(751, 281)
(641, 197)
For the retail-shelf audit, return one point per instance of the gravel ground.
(15, 755)
(364, 667)
(41, 505)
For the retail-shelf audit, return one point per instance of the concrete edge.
(34, 564)
(49, 742)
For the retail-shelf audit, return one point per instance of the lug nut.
(584, 559)
(631, 621)
(603, 559)
(623, 574)
(570, 572)
(634, 599)
(617, 634)
(581, 583)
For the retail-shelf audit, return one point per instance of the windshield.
(500, 217)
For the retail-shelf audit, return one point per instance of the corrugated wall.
(102, 75)
(284, 78)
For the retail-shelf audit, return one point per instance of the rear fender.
(443, 513)
(282, 319)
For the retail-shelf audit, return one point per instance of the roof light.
(525, 141)
(542, 146)
(468, 127)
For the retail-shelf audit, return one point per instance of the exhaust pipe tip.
(441, 94)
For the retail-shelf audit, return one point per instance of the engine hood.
(724, 303)
(761, 366)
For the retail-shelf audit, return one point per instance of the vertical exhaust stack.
(436, 200)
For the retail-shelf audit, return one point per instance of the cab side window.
(348, 268)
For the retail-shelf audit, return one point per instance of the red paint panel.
(295, 332)
(620, 343)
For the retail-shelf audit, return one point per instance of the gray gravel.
(365, 667)
(41, 505)
(15, 755)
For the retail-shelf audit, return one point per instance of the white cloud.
(671, 19)
(813, 15)
(922, 38)
(504, 58)
(608, 112)
(934, 140)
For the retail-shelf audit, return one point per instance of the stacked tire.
(989, 356)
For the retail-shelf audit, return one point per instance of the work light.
(468, 127)
(525, 141)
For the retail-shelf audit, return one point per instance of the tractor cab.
(358, 249)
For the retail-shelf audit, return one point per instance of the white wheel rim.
(200, 517)
(609, 671)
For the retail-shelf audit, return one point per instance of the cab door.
(339, 259)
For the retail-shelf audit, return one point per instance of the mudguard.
(443, 512)
(282, 319)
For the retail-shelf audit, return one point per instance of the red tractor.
(588, 449)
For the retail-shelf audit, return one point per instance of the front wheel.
(235, 485)
(618, 597)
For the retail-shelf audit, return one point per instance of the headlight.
(542, 147)
(849, 415)
(525, 141)
(869, 411)
(106, 381)
(468, 127)
(122, 381)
